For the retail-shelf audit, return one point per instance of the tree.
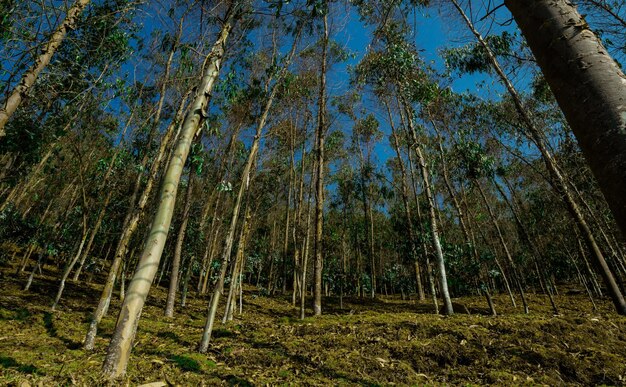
(119, 349)
(30, 76)
(589, 87)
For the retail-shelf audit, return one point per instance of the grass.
(369, 342)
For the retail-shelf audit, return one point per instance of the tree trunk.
(587, 92)
(121, 344)
(234, 280)
(507, 253)
(319, 181)
(589, 87)
(92, 237)
(407, 208)
(35, 268)
(529, 243)
(432, 215)
(129, 226)
(305, 251)
(492, 308)
(171, 294)
(68, 269)
(244, 186)
(30, 76)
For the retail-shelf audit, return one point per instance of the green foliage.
(473, 58)
(13, 227)
(541, 90)
(7, 7)
(473, 159)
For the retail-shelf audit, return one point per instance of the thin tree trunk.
(432, 215)
(231, 298)
(507, 253)
(30, 76)
(532, 246)
(243, 187)
(305, 250)
(171, 294)
(319, 181)
(92, 237)
(68, 269)
(407, 208)
(35, 268)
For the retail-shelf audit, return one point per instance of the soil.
(386, 341)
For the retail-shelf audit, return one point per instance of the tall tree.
(589, 86)
(30, 76)
(119, 349)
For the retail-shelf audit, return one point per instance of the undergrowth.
(386, 341)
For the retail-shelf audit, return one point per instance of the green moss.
(186, 363)
(382, 342)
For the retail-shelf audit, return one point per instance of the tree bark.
(421, 162)
(135, 212)
(244, 186)
(589, 87)
(407, 208)
(120, 347)
(505, 247)
(173, 288)
(30, 76)
(589, 92)
(319, 181)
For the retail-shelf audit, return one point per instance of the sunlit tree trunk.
(407, 207)
(306, 249)
(434, 231)
(297, 223)
(424, 246)
(234, 277)
(244, 186)
(129, 226)
(119, 349)
(288, 208)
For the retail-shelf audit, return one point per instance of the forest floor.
(385, 341)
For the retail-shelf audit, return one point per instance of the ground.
(386, 341)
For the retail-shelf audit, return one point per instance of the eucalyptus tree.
(139, 198)
(607, 92)
(121, 343)
(320, 133)
(404, 193)
(29, 77)
(589, 87)
(365, 134)
(396, 64)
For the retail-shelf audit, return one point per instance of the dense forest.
(312, 192)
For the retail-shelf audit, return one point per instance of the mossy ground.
(370, 342)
